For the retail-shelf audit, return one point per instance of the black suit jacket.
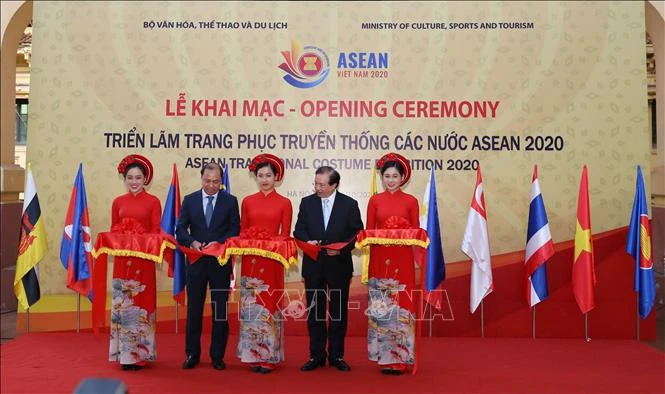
(343, 225)
(192, 227)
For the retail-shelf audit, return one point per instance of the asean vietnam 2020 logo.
(306, 66)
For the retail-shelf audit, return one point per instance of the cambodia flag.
(639, 246)
(539, 246)
(170, 218)
(76, 244)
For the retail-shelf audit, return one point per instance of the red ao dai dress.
(392, 278)
(133, 285)
(261, 283)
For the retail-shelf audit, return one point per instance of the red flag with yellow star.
(584, 274)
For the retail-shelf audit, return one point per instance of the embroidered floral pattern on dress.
(391, 332)
(132, 330)
(260, 332)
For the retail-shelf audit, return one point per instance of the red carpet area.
(506, 312)
(57, 362)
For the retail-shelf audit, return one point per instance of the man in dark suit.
(326, 217)
(207, 216)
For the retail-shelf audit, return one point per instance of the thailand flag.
(170, 218)
(639, 246)
(539, 246)
(476, 245)
(76, 244)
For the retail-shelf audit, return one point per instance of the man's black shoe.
(313, 364)
(190, 362)
(340, 364)
(218, 364)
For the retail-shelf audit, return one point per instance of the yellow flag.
(32, 247)
(365, 252)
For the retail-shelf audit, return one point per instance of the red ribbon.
(313, 250)
(213, 249)
(281, 245)
(128, 226)
(310, 250)
(255, 233)
(396, 222)
(112, 243)
(398, 234)
(99, 292)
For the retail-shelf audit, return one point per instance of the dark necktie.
(208, 212)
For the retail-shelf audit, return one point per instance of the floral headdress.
(140, 160)
(399, 159)
(268, 158)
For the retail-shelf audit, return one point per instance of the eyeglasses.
(320, 185)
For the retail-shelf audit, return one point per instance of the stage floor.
(57, 362)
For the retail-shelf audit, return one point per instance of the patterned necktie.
(208, 211)
(326, 212)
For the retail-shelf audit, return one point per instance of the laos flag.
(176, 259)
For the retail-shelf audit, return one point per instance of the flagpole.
(78, 313)
(533, 322)
(430, 319)
(482, 319)
(27, 320)
(637, 316)
(586, 327)
(176, 317)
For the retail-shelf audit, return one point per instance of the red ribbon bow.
(396, 222)
(254, 233)
(385, 159)
(128, 226)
